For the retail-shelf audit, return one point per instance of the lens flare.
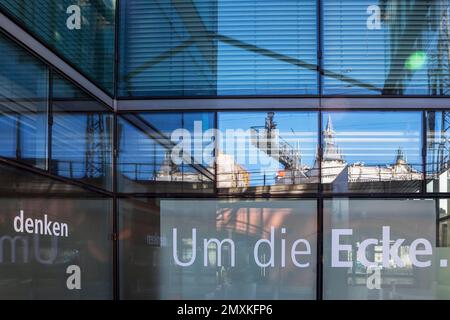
(416, 60)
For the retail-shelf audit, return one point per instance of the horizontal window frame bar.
(312, 196)
(44, 173)
(282, 103)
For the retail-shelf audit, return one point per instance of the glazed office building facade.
(222, 149)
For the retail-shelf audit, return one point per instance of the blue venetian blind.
(386, 47)
(226, 47)
(91, 48)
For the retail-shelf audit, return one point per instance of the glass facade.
(149, 144)
(408, 220)
(218, 47)
(81, 135)
(34, 263)
(82, 32)
(49, 123)
(372, 152)
(148, 243)
(255, 153)
(385, 47)
(247, 151)
(437, 153)
(227, 47)
(24, 106)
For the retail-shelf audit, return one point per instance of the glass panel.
(53, 246)
(444, 235)
(149, 270)
(23, 105)
(270, 152)
(166, 49)
(372, 152)
(166, 152)
(386, 47)
(208, 48)
(81, 136)
(266, 47)
(374, 249)
(443, 207)
(443, 253)
(35, 266)
(438, 149)
(80, 31)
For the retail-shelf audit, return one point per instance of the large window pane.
(80, 31)
(266, 47)
(166, 152)
(166, 48)
(270, 152)
(23, 105)
(218, 47)
(150, 271)
(443, 275)
(382, 268)
(386, 47)
(444, 235)
(81, 136)
(372, 152)
(35, 266)
(37, 262)
(438, 151)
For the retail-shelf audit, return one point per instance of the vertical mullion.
(115, 212)
(319, 271)
(424, 150)
(49, 120)
(438, 222)
(116, 50)
(215, 50)
(319, 28)
(216, 150)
